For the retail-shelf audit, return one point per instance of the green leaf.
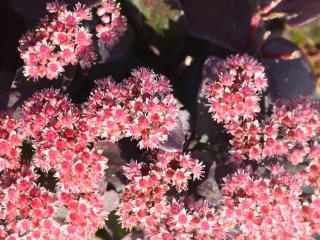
(158, 13)
(160, 28)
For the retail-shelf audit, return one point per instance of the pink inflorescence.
(10, 142)
(311, 177)
(47, 108)
(112, 25)
(59, 39)
(61, 140)
(235, 93)
(145, 200)
(62, 135)
(79, 215)
(145, 203)
(311, 174)
(26, 210)
(62, 143)
(264, 208)
(245, 140)
(292, 129)
(311, 212)
(31, 212)
(141, 107)
(289, 132)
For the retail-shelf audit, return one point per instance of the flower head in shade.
(112, 24)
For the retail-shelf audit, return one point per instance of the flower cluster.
(46, 108)
(61, 38)
(79, 216)
(141, 107)
(113, 24)
(311, 212)
(294, 129)
(253, 207)
(63, 137)
(10, 142)
(26, 210)
(264, 208)
(257, 207)
(62, 141)
(246, 141)
(311, 177)
(235, 92)
(145, 203)
(290, 130)
(32, 212)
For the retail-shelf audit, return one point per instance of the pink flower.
(141, 107)
(112, 24)
(234, 97)
(235, 93)
(32, 212)
(59, 40)
(62, 142)
(257, 207)
(295, 124)
(145, 201)
(10, 142)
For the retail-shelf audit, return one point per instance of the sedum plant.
(71, 154)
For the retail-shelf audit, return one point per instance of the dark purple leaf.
(206, 130)
(120, 50)
(6, 81)
(187, 82)
(209, 187)
(300, 12)
(113, 152)
(226, 23)
(160, 27)
(287, 69)
(257, 32)
(14, 97)
(278, 48)
(22, 89)
(208, 67)
(110, 200)
(179, 134)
